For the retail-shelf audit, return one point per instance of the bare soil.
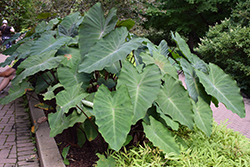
(77, 156)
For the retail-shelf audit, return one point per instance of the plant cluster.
(225, 147)
(112, 83)
(227, 45)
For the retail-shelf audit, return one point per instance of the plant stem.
(87, 103)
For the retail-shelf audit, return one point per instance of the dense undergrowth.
(225, 147)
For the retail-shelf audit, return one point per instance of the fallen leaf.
(42, 120)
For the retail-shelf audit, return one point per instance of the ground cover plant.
(225, 147)
(107, 82)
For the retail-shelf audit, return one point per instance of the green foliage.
(99, 74)
(105, 162)
(227, 45)
(64, 154)
(19, 13)
(225, 147)
(142, 156)
(188, 17)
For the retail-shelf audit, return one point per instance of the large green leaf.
(34, 64)
(41, 27)
(59, 121)
(8, 61)
(182, 45)
(95, 26)
(89, 129)
(15, 92)
(129, 23)
(69, 25)
(143, 88)
(223, 88)
(113, 115)
(170, 122)
(196, 62)
(163, 48)
(160, 136)
(47, 43)
(194, 87)
(114, 68)
(203, 116)
(161, 61)
(174, 101)
(50, 92)
(69, 98)
(24, 49)
(74, 18)
(109, 50)
(72, 55)
(70, 78)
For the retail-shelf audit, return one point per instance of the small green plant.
(64, 154)
(225, 147)
(142, 156)
(35, 149)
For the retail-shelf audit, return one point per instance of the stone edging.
(48, 152)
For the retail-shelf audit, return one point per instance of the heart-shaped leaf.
(113, 115)
(143, 88)
(72, 56)
(69, 25)
(174, 101)
(34, 64)
(194, 87)
(59, 121)
(15, 92)
(70, 78)
(162, 62)
(109, 50)
(203, 116)
(223, 88)
(50, 93)
(48, 43)
(160, 136)
(95, 26)
(69, 98)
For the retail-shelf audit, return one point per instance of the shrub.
(228, 45)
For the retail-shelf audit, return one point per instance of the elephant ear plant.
(113, 83)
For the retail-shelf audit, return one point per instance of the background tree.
(227, 45)
(188, 17)
(19, 13)
(27, 13)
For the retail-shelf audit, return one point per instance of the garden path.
(16, 145)
(234, 122)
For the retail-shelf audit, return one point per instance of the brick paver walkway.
(16, 146)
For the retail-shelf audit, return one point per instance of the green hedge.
(228, 45)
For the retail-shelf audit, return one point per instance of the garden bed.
(78, 157)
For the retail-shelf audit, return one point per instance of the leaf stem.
(87, 103)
